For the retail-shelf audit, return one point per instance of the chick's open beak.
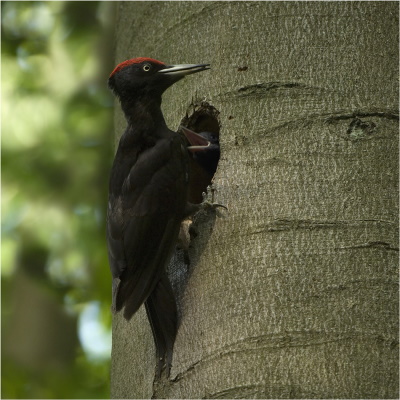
(197, 142)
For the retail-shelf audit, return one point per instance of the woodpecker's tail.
(162, 314)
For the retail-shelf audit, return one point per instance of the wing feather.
(143, 222)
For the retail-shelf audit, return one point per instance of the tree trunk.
(292, 293)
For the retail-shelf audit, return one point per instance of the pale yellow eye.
(146, 67)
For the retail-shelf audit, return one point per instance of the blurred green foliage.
(57, 147)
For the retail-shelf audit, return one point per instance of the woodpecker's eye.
(146, 67)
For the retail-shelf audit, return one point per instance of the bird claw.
(206, 205)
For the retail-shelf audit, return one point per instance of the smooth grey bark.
(294, 292)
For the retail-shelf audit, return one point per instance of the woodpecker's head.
(145, 76)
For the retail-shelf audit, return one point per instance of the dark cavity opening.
(202, 119)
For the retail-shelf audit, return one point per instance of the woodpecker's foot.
(192, 209)
(206, 205)
(209, 208)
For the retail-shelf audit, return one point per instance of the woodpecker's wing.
(143, 222)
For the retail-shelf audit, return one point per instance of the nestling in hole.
(202, 133)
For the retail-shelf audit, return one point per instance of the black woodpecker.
(148, 192)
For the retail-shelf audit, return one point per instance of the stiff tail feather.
(162, 314)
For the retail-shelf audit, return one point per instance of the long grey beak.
(183, 69)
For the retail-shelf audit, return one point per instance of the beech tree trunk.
(292, 293)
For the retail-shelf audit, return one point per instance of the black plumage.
(147, 198)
